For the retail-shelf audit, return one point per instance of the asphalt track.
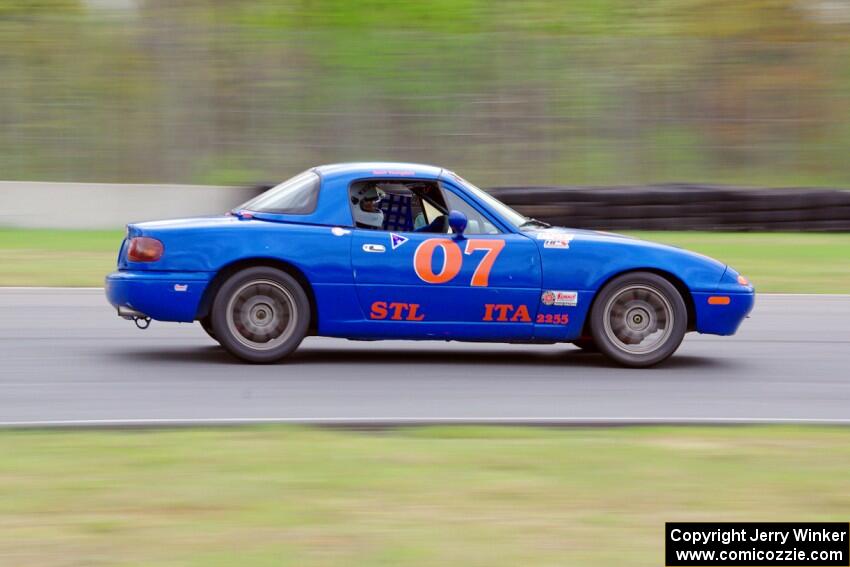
(66, 358)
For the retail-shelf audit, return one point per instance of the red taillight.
(145, 249)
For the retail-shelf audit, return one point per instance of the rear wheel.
(639, 319)
(261, 314)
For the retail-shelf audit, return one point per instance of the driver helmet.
(367, 207)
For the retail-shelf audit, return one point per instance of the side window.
(296, 196)
(478, 223)
(384, 205)
(398, 205)
(429, 214)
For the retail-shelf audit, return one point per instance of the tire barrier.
(683, 207)
(655, 207)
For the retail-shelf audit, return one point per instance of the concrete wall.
(103, 205)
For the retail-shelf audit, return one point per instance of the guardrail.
(654, 207)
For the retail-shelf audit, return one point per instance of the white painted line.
(402, 421)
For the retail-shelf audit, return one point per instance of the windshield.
(295, 196)
(511, 216)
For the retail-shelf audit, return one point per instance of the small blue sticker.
(397, 240)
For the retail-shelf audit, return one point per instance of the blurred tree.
(543, 91)
(38, 7)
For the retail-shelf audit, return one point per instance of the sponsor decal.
(506, 312)
(550, 234)
(181, 287)
(396, 311)
(555, 239)
(397, 240)
(374, 248)
(561, 298)
(557, 243)
(339, 231)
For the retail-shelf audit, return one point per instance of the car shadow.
(554, 356)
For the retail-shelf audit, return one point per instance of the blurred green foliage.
(538, 92)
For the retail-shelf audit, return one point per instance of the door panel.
(426, 284)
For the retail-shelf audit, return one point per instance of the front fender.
(592, 259)
(584, 262)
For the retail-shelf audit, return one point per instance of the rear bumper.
(717, 317)
(163, 296)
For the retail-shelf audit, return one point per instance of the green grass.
(775, 262)
(76, 258)
(279, 496)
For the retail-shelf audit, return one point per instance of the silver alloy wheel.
(638, 319)
(261, 314)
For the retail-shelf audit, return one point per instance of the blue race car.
(405, 251)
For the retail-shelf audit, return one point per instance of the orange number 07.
(453, 260)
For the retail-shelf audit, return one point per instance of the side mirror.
(457, 222)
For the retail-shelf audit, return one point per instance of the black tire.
(586, 344)
(638, 319)
(206, 323)
(261, 314)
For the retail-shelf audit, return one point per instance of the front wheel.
(261, 314)
(638, 319)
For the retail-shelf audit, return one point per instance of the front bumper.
(718, 317)
(163, 296)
